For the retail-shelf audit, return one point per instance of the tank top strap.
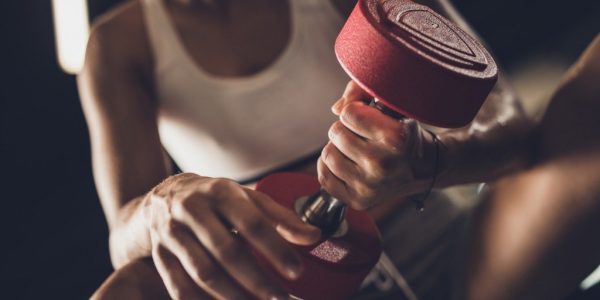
(161, 32)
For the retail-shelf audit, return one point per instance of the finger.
(199, 266)
(178, 284)
(352, 93)
(366, 121)
(339, 164)
(335, 186)
(260, 233)
(354, 147)
(287, 223)
(373, 125)
(230, 252)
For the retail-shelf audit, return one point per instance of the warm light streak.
(71, 27)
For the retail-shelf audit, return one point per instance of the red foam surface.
(334, 268)
(416, 61)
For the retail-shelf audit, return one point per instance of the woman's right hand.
(202, 230)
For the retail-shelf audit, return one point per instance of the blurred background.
(55, 239)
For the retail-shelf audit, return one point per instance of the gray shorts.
(424, 251)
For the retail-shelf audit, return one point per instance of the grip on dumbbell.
(418, 201)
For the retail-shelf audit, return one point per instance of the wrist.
(452, 146)
(426, 161)
(130, 238)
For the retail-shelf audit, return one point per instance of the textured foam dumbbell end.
(415, 61)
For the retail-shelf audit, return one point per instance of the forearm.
(499, 141)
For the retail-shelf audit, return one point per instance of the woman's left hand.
(372, 157)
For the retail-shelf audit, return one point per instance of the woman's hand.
(372, 157)
(202, 230)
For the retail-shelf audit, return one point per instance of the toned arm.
(121, 115)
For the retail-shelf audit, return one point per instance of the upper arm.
(121, 115)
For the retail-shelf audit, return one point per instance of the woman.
(230, 90)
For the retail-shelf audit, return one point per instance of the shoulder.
(118, 39)
(118, 68)
(571, 122)
(586, 70)
(580, 83)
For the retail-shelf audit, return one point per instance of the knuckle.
(324, 181)
(332, 162)
(375, 168)
(336, 129)
(392, 140)
(395, 136)
(326, 152)
(351, 113)
(219, 185)
(323, 178)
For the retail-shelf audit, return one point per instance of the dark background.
(54, 234)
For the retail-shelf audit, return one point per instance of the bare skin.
(178, 219)
(535, 236)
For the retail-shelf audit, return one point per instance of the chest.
(243, 40)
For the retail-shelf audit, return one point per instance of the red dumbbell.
(413, 62)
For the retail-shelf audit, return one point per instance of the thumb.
(352, 93)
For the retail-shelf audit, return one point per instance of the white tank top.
(245, 126)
